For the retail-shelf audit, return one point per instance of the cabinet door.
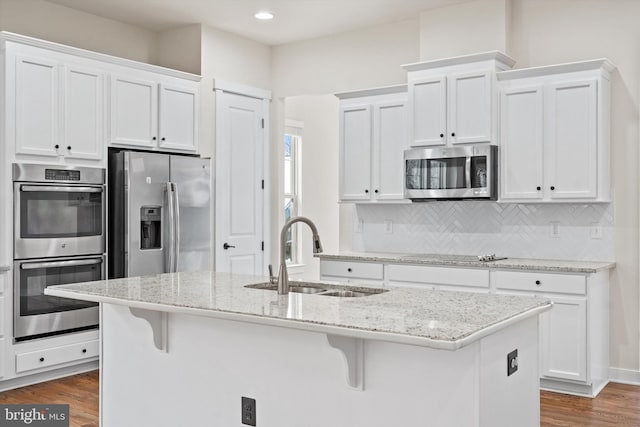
(428, 104)
(563, 335)
(521, 143)
(469, 103)
(134, 112)
(178, 117)
(571, 140)
(355, 153)
(390, 141)
(83, 113)
(37, 107)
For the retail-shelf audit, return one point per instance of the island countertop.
(437, 319)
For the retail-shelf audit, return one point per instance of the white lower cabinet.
(346, 271)
(38, 359)
(441, 278)
(574, 334)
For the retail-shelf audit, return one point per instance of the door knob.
(227, 246)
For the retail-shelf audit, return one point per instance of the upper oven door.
(58, 220)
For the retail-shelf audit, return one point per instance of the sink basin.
(324, 289)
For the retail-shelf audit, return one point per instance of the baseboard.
(624, 376)
(47, 376)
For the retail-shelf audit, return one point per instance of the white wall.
(319, 181)
(180, 48)
(465, 28)
(48, 21)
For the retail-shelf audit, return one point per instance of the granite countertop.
(438, 319)
(549, 265)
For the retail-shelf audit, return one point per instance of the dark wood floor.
(617, 405)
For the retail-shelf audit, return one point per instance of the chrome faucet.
(283, 276)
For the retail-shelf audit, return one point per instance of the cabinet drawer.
(360, 270)
(57, 355)
(540, 282)
(439, 275)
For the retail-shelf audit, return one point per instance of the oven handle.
(467, 171)
(53, 264)
(58, 189)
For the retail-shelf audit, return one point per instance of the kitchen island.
(184, 348)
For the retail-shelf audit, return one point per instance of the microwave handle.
(58, 189)
(53, 264)
(467, 171)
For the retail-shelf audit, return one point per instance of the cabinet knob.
(552, 188)
(538, 188)
(366, 191)
(442, 135)
(57, 146)
(42, 359)
(349, 269)
(453, 134)
(163, 138)
(538, 282)
(69, 147)
(154, 138)
(375, 191)
(84, 350)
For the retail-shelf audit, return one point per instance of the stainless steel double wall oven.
(59, 237)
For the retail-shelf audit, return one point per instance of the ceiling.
(294, 20)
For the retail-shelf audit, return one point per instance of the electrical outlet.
(248, 411)
(512, 362)
(555, 228)
(388, 226)
(596, 231)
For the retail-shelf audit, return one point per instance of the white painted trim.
(570, 67)
(464, 59)
(385, 90)
(294, 123)
(69, 50)
(624, 376)
(240, 89)
(4, 268)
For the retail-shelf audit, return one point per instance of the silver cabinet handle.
(60, 189)
(53, 264)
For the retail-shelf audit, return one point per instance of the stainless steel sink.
(324, 289)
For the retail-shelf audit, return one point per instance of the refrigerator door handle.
(169, 251)
(176, 228)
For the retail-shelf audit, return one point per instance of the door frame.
(224, 86)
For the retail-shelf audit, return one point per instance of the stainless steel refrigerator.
(159, 213)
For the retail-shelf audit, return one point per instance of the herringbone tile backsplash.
(482, 227)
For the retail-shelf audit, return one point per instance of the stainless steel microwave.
(446, 173)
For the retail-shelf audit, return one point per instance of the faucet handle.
(272, 278)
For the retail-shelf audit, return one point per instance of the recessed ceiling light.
(264, 15)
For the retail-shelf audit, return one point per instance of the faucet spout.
(283, 275)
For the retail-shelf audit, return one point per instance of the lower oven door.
(37, 314)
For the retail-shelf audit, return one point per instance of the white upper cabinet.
(83, 112)
(152, 114)
(134, 112)
(373, 137)
(454, 100)
(555, 133)
(178, 127)
(58, 107)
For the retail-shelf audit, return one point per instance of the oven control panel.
(61, 175)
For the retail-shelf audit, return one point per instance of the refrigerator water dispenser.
(150, 227)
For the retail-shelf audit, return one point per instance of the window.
(291, 202)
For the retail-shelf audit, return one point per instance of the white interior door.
(240, 139)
